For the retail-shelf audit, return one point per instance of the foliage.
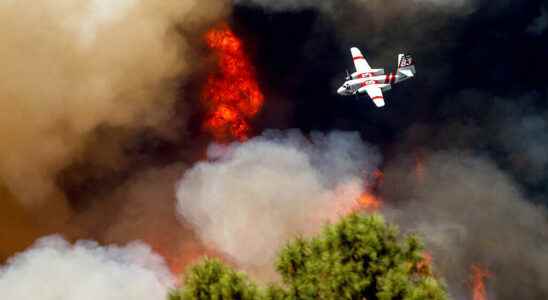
(358, 258)
(213, 280)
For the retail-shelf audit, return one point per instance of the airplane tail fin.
(406, 65)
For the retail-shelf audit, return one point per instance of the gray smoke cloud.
(468, 208)
(53, 269)
(251, 198)
(470, 212)
(71, 67)
(514, 126)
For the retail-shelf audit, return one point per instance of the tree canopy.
(360, 257)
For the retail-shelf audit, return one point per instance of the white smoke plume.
(251, 198)
(56, 270)
(70, 67)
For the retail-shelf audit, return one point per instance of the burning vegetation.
(232, 95)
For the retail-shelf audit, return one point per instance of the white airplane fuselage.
(378, 79)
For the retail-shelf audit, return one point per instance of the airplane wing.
(375, 94)
(359, 60)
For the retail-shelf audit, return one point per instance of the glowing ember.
(479, 275)
(232, 96)
(424, 266)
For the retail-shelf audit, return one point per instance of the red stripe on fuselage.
(365, 75)
(377, 97)
(359, 57)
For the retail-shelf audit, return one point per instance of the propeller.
(348, 75)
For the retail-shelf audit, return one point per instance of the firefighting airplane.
(374, 81)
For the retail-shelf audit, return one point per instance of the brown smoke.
(143, 209)
(70, 68)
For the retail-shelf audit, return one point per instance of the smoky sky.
(473, 60)
(475, 118)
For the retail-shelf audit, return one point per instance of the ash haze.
(55, 270)
(252, 197)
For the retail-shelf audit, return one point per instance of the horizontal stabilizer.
(407, 72)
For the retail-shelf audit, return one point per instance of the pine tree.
(211, 279)
(361, 257)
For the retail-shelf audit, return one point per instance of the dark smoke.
(470, 212)
(473, 121)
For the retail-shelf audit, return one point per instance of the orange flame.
(232, 96)
(479, 274)
(369, 202)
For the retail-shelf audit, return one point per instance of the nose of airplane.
(341, 90)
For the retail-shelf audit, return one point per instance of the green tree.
(211, 279)
(360, 257)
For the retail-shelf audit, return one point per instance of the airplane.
(373, 81)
